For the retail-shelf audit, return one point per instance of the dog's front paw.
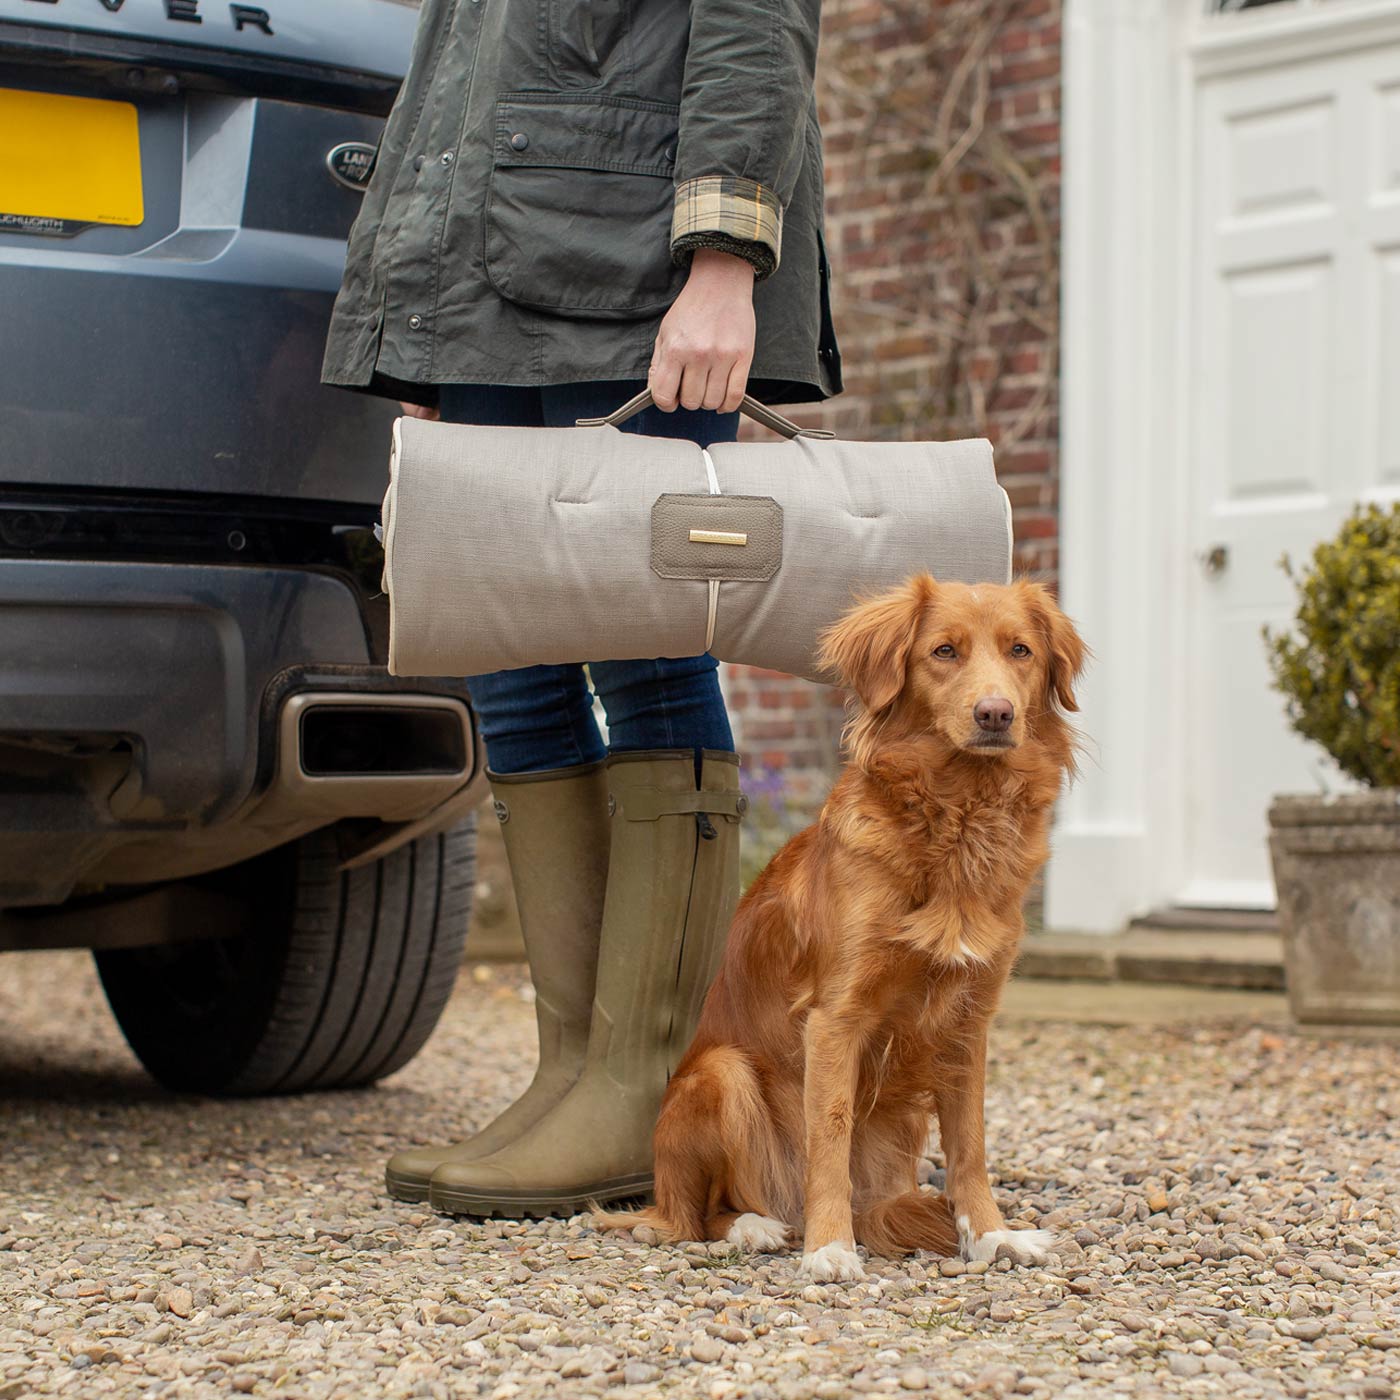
(832, 1263)
(1020, 1246)
(758, 1232)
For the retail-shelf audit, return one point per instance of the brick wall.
(942, 127)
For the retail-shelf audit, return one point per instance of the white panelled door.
(1295, 393)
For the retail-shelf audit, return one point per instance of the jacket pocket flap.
(723, 537)
(583, 133)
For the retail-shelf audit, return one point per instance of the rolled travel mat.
(508, 547)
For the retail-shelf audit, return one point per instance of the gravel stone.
(996, 1380)
(180, 1301)
(1181, 1363)
(250, 1261)
(1227, 1201)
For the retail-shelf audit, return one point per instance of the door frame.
(1130, 68)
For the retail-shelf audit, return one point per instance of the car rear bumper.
(143, 721)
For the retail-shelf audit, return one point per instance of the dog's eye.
(1020, 649)
(946, 652)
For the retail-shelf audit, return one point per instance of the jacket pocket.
(578, 210)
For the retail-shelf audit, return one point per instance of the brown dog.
(866, 962)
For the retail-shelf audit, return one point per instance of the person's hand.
(416, 410)
(705, 345)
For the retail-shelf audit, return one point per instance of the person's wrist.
(721, 268)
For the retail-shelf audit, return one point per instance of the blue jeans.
(541, 717)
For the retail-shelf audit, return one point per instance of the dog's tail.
(713, 1144)
(667, 1231)
(915, 1220)
(684, 1166)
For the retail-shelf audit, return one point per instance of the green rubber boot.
(555, 826)
(673, 882)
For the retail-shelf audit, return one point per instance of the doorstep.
(1241, 951)
(1140, 1004)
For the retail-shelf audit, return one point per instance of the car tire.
(336, 981)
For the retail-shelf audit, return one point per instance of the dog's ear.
(868, 648)
(1064, 647)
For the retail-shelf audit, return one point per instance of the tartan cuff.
(759, 256)
(740, 209)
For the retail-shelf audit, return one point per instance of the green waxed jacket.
(546, 172)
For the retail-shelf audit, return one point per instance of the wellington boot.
(673, 882)
(555, 826)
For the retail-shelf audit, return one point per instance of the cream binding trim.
(384, 532)
(1010, 535)
(713, 478)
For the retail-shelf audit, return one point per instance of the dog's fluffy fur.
(866, 962)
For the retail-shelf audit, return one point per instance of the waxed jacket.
(545, 174)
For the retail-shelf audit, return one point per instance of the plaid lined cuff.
(737, 208)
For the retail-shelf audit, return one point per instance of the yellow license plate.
(66, 162)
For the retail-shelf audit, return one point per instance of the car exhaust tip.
(395, 757)
(383, 740)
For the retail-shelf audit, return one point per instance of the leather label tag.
(723, 537)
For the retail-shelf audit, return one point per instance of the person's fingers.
(736, 387)
(664, 379)
(693, 382)
(417, 410)
(716, 386)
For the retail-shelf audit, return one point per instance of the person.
(574, 200)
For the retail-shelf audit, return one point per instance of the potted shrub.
(1336, 855)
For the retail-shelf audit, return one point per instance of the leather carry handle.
(760, 413)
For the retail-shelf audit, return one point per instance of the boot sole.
(539, 1205)
(413, 1189)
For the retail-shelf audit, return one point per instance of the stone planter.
(1337, 867)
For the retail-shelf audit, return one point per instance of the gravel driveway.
(1226, 1197)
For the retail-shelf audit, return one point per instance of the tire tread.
(350, 984)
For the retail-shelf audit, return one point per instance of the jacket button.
(415, 322)
(670, 153)
(448, 157)
(417, 162)
(519, 141)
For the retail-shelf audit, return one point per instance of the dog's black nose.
(994, 714)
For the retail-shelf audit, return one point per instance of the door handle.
(1215, 559)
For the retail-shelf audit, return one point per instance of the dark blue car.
(206, 773)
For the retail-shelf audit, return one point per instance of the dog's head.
(986, 667)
